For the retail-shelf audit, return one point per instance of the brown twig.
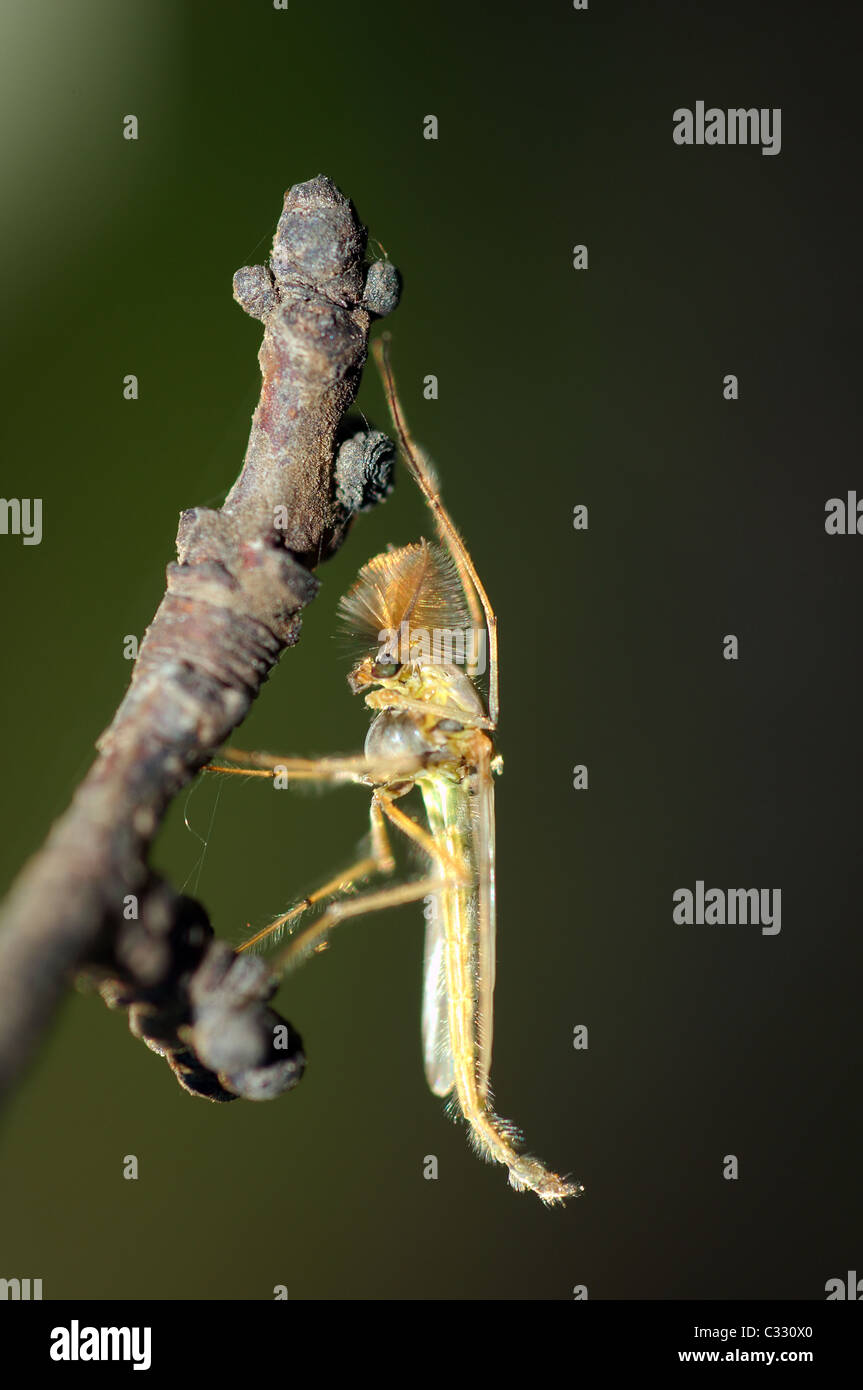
(231, 606)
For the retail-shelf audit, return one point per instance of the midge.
(430, 731)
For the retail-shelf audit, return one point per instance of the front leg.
(334, 770)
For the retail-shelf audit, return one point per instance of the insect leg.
(394, 896)
(335, 769)
(471, 582)
(456, 874)
(379, 861)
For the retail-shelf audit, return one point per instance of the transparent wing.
(486, 927)
(437, 1052)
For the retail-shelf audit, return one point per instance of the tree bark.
(232, 604)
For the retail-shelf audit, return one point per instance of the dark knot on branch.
(196, 1003)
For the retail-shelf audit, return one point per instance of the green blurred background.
(556, 388)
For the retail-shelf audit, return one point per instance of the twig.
(231, 606)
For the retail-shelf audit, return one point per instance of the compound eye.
(385, 670)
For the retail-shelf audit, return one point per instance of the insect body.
(430, 731)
